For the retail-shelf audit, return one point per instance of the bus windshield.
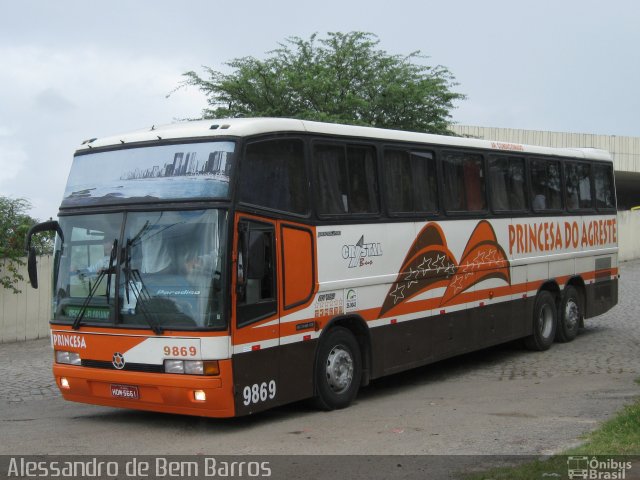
(160, 172)
(162, 270)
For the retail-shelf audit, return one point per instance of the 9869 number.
(180, 351)
(259, 392)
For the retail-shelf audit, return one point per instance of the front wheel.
(338, 369)
(569, 315)
(545, 321)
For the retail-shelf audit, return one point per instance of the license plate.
(125, 391)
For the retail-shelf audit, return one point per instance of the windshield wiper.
(132, 280)
(94, 288)
(112, 258)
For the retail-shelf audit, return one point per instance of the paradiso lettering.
(546, 236)
(75, 341)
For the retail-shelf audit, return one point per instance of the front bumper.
(158, 392)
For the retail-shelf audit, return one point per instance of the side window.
(545, 185)
(578, 184)
(464, 187)
(411, 181)
(507, 178)
(605, 192)
(273, 175)
(256, 276)
(346, 179)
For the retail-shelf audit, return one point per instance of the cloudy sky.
(76, 69)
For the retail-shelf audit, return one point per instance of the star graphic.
(425, 266)
(457, 283)
(398, 293)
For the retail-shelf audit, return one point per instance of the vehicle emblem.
(118, 361)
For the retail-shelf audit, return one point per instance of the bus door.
(299, 329)
(255, 314)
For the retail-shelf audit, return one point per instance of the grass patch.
(617, 436)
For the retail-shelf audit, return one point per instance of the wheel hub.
(571, 314)
(339, 369)
(545, 321)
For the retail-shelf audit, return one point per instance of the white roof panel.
(243, 127)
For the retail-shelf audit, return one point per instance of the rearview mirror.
(32, 267)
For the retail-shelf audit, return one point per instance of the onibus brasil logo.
(597, 468)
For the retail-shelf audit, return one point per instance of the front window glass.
(165, 270)
(163, 172)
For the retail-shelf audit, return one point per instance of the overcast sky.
(72, 70)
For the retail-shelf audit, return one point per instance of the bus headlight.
(192, 367)
(69, 358)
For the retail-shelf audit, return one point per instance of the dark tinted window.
(578, 183)
(545, 185)
(604, 186)
(507, 178)
(273, 175)
(411, 181)
(346, 179)
(464, 188)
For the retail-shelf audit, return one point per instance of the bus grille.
(130, 367)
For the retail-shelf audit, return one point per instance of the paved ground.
(499, 401)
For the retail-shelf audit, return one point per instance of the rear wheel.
(544, 322)
(569, 315)
(338, 369)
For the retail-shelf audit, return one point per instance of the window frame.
(463, 213)
(526, 185)
(384, 186)
(565, 190)
(609, 166)
(305, 160)
(317, 191)
(547, 211)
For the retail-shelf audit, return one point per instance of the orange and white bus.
(223, 267)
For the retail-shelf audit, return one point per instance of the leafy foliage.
(14, 225)
(343, 78)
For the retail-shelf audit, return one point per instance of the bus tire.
(338, 370)
(569, 315)
(545, 315)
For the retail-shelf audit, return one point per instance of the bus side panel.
(273, 376)
(255, 373)
(602, 291)
(401, 346)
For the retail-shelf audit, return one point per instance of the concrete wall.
(629, 235)
(26, 316)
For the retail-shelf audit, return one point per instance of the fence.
(26, 316)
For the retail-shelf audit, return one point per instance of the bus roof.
(243, 127)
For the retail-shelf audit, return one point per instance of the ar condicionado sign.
(548, 236)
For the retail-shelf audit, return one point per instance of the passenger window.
(603, 179)
(545, 185)
(507, 177)
(411, 181)
(346, 179)
(464, 188)
(578, 185)
(273, 175)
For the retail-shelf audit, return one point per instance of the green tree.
(343, 78)
(14, 225)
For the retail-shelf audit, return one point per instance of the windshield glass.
(162, 270)
(163, 172)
